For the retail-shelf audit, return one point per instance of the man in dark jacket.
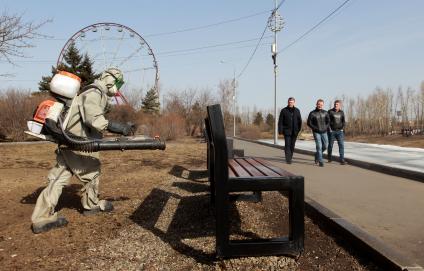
(289, 125)
(319, 121)
(337, 124)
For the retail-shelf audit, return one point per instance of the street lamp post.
(234, 95)
(275, 23)
(234, 102)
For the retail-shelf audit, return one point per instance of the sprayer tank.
(65, 84)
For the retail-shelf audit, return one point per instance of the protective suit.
(86, 119)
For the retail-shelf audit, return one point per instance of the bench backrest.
(219, 142)
(210, 151)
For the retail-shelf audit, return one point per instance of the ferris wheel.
(116, 45)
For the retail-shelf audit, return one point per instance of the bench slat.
(231, 172)
(251, 168)
(238, 169)
(278, 170)
(263, 167)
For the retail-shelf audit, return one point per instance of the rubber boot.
(39, 228)
(108, 207)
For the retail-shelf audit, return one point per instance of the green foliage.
(269, 120)
(75, 63)
(150, 103)
(44, 84)
(86, 72)
(259, 119)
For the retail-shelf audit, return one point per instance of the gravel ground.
(162, 218)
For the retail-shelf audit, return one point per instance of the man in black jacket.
(337, 124)
(289, 125)
(319, 121)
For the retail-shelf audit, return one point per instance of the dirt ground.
(162, 218)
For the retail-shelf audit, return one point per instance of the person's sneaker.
(342, 162)
(60, 222)
(321, 164)
(330, 159)
(316, 161)
(289, 162)
(107, 208)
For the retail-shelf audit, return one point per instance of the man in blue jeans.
(319, 121)
(337, 124)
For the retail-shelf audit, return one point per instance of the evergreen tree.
(269, 120)
(72, 59)
(86, 72)
(150, 103)
(44, 84)
(74, 63)
(258, 119)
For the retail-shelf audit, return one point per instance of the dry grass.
(17, 107)
(162, 219)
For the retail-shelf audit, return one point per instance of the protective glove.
(121, 128)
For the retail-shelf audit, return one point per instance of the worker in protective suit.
(87, 120)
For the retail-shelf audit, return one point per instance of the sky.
(366, 44)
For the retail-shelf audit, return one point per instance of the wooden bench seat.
(244, 174)
(254, 167)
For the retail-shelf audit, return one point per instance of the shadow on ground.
(191, 175)
(70, 198)
(193, 217)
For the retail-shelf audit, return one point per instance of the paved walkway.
(384, 206)
(388, 155)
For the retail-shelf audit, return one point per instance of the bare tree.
(225, 92)
(190, 105)
(245, 115)
(16, 34)
(422, 106)
(134, 97)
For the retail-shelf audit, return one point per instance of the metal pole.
(234, 95)
(275, 77)
(234, 101)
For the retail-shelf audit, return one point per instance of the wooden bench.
(243, 174)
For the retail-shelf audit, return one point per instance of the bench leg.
(296, 214)
(222, 224)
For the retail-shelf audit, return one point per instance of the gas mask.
(113, 79)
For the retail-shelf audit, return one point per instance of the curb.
(398, 172)
(364, 242)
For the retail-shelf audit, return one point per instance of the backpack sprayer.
(51, 117)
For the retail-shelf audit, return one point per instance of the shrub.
(122, 113)
(17, 107)
(169, 126)
(250, 132)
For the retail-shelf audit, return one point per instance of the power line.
(253, 53)
(279, 5)
(209, 46)
(162, 56)
(260, 39)
(159, 53)
(208, 25)
(219, 50)
(188, 29)
(314, 27)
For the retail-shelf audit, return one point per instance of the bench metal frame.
(222, 185)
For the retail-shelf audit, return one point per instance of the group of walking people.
(326, 126)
